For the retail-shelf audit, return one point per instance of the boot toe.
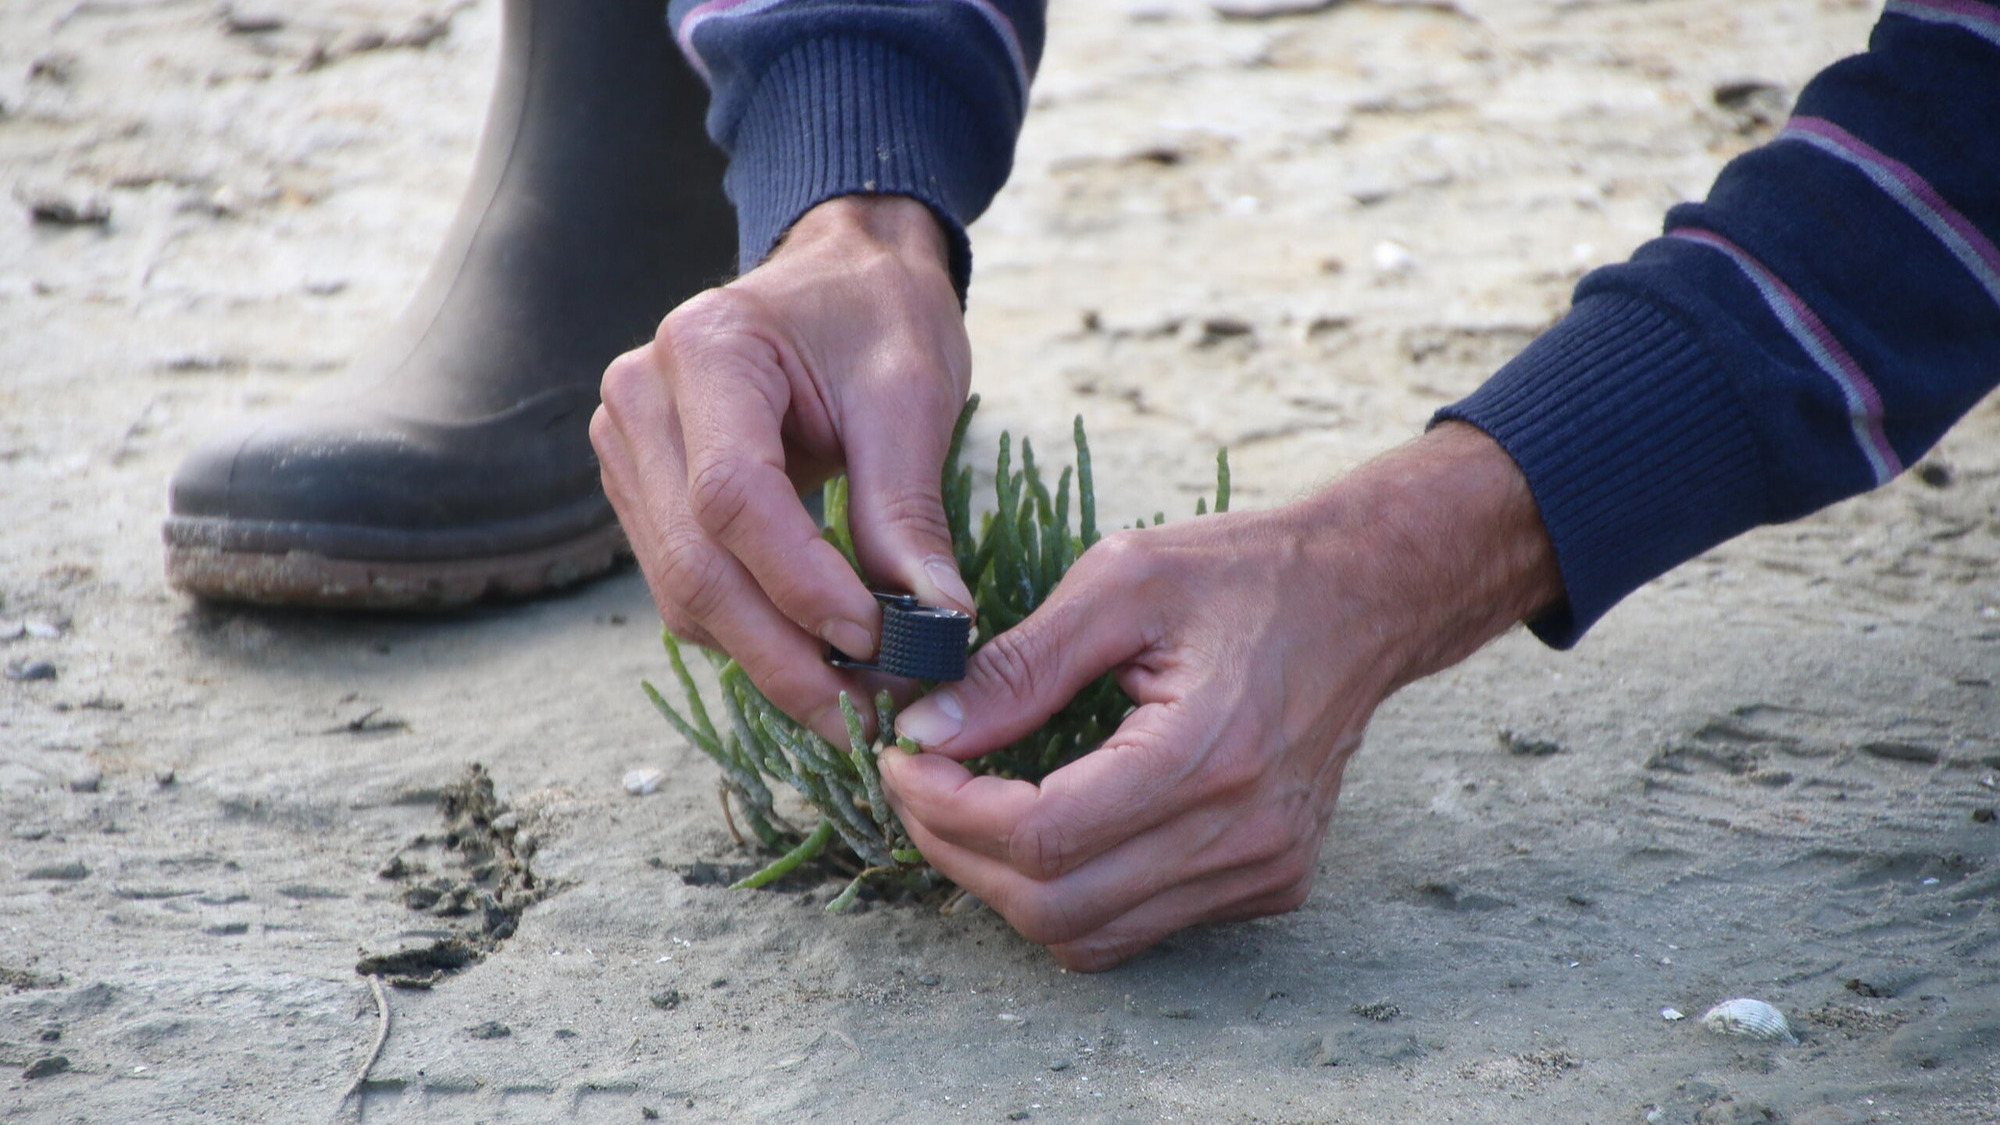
(349, 483)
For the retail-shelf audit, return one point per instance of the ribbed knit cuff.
(848, 116)
(1635, 445)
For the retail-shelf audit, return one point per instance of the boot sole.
(306, 579)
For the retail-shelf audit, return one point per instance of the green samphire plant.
(1020, 551)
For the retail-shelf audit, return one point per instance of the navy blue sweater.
(1803, 335)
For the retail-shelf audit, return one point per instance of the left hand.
(1256, 646)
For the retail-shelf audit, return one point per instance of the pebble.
(928, 979)
(46, 1066)
(43, 630)
(1393, 258)
(667, 999)
(64, 209)
(641, 782)
(65, 872)
(22, 671)
(250, 22)
(1672, 1014)
(491, 1029)
(413, 952)
(1526, 746)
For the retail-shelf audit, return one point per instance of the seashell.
(644, 781)
(1754, 1018)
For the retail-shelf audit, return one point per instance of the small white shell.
(1754, 1018)
(1672, 1014)
(643, 781)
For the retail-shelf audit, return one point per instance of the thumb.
(896, 509)
(1020, 678)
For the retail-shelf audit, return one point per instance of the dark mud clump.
(474, 879)
(21, 980)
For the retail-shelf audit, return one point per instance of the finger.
(1148, 773)
(896, 507)
(701, 589)
(727, 385)
(1150, 885)
(786, 664)
(1016, 681)
(616, 466)
(1228, 896)
(972, 811)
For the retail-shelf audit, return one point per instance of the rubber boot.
(452, 462)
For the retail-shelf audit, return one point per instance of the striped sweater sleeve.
(815, 99)
(1801, 336)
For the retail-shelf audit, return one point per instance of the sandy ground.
(1773, 770)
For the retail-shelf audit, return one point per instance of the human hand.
(1257, 646)
(845, 350)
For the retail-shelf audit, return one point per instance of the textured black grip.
(919, 642)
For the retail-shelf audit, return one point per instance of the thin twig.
(381, 1037)
(722, 794)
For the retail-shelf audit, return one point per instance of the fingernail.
(934, 719)
(944, 576)
(850, 638)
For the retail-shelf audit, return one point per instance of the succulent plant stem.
(1012, 563)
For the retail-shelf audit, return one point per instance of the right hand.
(1255, 645)
(845, 351)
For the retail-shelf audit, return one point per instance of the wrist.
(896, 224)
(1445, 543)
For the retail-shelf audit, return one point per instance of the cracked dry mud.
(1771, 774)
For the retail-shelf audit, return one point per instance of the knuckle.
(694, 576)
(1130, 554)
(1008, 666)
(795, 691)
(603, 431)
(1266, 842)
(719, 493)
(625, 379)
(1039, 849)
(914, 510)
(702, 318)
